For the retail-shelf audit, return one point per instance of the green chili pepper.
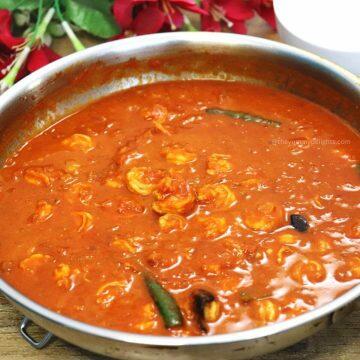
(164, 301)
(244, 116)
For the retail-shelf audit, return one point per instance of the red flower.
(151, 16)
(229, 13)
(265, 9)
(15, 60)
(6, 38)
(7, 42)
(234, 13)
(40, 57)
(6, 58)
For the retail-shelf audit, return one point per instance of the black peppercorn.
(299, 222)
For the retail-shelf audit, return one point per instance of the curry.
(185, 208)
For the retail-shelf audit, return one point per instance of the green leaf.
(7, 4)
(244, 116)
(18, 4)
(92, 16)
(22, 4)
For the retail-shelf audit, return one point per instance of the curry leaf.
(92, 16)
(244, 116)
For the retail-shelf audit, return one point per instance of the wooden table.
(340, 342)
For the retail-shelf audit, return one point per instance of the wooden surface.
(339, 342)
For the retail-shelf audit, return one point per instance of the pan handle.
(40, 344)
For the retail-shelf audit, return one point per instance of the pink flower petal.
(175, 20)
(209, 24)
(206, 4)
(189, 5)
(6, 37)
(123, 10)
(236, 9)
(268, 15)
(40, 57)
(149, 20)
(265, 9)
(239, 27)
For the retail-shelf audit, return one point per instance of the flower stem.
(38, 19)
(188, 25)
(76, 43)
(40, 30)
(10, 77)
(20, 60)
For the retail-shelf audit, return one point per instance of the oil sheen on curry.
(185, 208)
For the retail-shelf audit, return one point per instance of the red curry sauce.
(147, 179)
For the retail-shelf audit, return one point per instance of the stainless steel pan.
(54, 91)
